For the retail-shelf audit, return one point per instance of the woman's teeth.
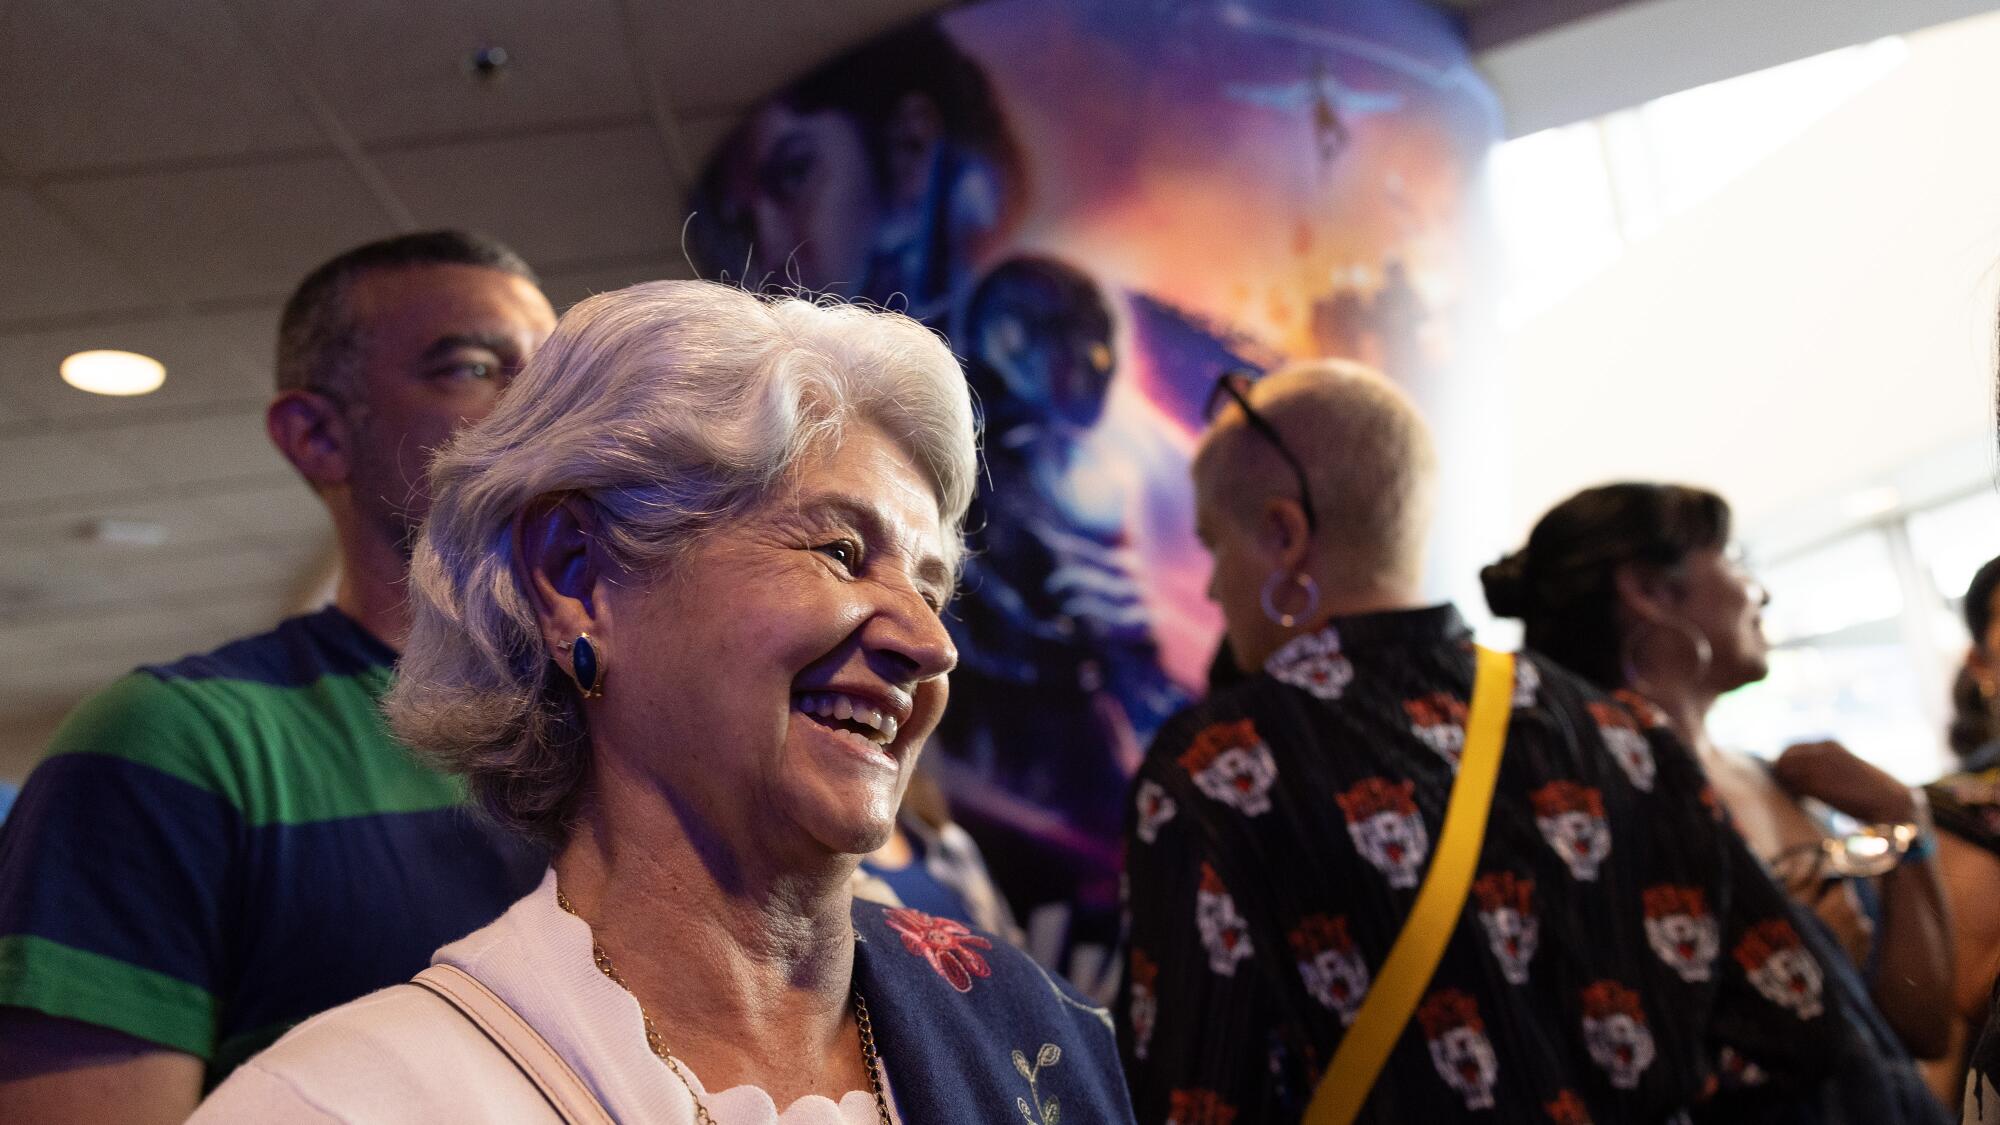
(832, 705)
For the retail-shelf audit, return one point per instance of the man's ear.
(314, 434)
(557, 564)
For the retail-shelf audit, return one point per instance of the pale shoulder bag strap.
(565, 1091)
(1407, 971)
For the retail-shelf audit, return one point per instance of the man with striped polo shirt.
(219, 847)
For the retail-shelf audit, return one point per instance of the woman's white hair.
(675, 408)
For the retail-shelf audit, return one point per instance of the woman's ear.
(1644, 592)
(1983, 672)
(558, 565)
(1284, 535)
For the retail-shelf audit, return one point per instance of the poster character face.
(881, 175)
(803, 187)
(1099, 227)
(1038, 331)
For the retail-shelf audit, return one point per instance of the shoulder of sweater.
(402, 1047)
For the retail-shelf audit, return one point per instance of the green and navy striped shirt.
(218, 848)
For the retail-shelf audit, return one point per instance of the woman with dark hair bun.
(1634, 587)
(1966, 805)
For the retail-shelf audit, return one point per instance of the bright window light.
(108, 372)
(1570, 200)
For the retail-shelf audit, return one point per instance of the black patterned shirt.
(1622, 957)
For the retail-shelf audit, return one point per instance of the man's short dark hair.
(318, 342)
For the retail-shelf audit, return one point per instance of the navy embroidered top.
(985, 1035)
(1622, 956)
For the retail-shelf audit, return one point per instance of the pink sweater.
(403, 1055)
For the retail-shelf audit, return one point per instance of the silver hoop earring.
(1269, 597)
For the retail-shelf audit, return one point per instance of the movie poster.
(1104, 204)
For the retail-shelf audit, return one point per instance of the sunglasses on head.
(1234, 386)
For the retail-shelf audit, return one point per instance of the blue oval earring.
(586, 665)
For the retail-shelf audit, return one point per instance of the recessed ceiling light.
(114, 373)
(123, 532)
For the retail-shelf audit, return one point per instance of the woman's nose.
(913, 631)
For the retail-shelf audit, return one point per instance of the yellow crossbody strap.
(1440, 900)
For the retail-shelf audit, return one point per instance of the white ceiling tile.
(101, 580)
(567, 288)
(590, 194)
(147, 633)
(717, 56)
(702, 134)
(55, 540)
(37, 468)
(392, 69)
(222, 445)
(47, 270)
(286, 507)
(212, 233)
(118, 82)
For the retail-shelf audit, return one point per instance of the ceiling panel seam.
(81, 231)
(328, 122)
(134, 417)
(138, 314)
(234, 592)
(220, 306)
(666, 124)
(139, 494)
(96, 173)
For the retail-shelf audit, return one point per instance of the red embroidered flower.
(951, 949)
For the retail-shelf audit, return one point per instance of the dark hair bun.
(1506, 584)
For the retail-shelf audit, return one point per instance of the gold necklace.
(869, 1056)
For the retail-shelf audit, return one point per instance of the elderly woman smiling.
(677, 615)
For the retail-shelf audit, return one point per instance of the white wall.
(1827, 318)
(1640, 51)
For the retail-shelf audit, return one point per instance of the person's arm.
(115, 874)
(1971, 878)
(1913, 981)
(61, 1072)
(1972, 887)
